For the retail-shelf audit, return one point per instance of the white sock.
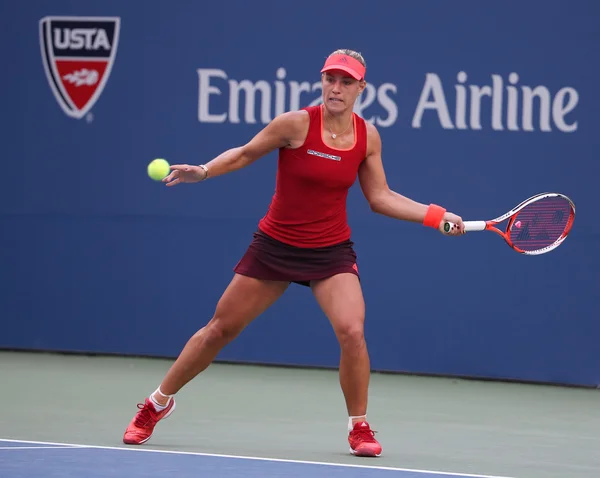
(157, 405)
(351, 426)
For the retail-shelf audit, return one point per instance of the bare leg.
(342, 301)
(244, 299)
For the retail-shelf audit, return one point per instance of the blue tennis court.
(25, 459)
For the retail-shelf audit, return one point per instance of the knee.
(351, 337)
(218, 332)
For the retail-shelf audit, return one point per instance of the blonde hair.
(354, 54)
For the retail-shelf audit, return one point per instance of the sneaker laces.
(364, 434)
(144, 416)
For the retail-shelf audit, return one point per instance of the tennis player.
(304, 238)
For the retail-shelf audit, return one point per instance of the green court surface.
(436, 424)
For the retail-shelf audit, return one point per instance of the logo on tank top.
(78, 54)
(324, 155)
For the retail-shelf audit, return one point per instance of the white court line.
(255, 458)
(55, 447)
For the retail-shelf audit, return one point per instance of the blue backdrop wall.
(479, 106)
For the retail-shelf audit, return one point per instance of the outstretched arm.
(381, 198)
(280, 132)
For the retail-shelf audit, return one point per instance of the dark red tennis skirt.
(269, 259)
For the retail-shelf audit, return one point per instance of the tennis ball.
(158, 169)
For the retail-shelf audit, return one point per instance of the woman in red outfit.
(303, 238)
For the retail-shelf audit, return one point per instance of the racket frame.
(471, 226)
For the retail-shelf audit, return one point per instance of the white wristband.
(205, 171)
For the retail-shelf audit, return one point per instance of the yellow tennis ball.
(158, 169)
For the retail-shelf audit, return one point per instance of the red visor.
(347, 64)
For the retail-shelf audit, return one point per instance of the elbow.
(377, 204)
(379, 200)
(244, 156)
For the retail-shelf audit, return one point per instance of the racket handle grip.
(470, 226)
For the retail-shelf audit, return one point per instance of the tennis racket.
(536, 226)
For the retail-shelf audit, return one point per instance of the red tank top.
(308, 208)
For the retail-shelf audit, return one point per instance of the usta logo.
(78, 54)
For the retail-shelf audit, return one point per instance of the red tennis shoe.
(141, 427)
(362, 441)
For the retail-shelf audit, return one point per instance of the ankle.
(354, 420)
(160, 398)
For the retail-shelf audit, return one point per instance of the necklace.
(334, 135)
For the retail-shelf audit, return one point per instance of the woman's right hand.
(184, 173)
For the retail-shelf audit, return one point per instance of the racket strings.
(540, 224)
